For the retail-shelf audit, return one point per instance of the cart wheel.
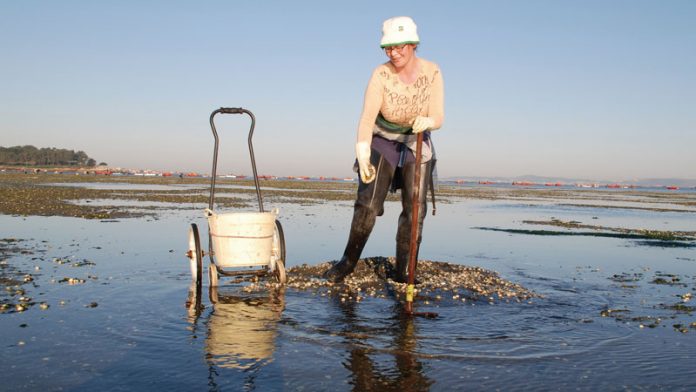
(213, 294)
(195, 254)
(213, 275)
(278, 253)
(279, 273)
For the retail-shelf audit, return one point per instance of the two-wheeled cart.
(241, 244)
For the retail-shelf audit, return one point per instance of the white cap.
(398, 31)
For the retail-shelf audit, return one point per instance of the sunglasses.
(398, 48)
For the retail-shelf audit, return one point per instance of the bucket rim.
(210, 213)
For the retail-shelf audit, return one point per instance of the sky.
(602, 90)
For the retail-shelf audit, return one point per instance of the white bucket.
(242, 239)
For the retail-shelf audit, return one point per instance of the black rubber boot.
(403, 234)
(361, 227)
(401, 271)
(402, 258)
(368, 205)
(340, 270)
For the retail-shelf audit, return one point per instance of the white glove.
(422, 123)
(367, 171)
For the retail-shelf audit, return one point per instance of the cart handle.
(231, 110)
(251, 153)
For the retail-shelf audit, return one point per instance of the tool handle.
(414, 224)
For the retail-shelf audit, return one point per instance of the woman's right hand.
(366, 169)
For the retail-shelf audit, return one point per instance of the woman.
(404, 97)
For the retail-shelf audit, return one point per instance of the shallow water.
(128, 326)
(127, 186)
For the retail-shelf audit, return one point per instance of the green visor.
(399, 43)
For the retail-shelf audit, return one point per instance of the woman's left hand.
(422, 123)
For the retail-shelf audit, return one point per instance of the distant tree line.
(32, 156)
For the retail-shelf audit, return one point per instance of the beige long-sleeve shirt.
(401, 103)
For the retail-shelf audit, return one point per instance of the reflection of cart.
(242, 328)
(242, 244)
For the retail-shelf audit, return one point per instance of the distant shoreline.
(528, 181)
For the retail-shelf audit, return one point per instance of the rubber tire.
(213, 295)
(278, 253)
(280, 274)
(196, 254)
(213, 275)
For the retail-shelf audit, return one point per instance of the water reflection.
(240, 330)
(242, 327)
(369, 372)
(194, 305)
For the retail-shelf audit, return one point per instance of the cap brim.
(399, 43)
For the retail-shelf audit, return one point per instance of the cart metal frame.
(276, 265)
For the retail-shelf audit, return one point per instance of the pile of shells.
(436, 281)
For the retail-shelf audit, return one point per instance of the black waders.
(370, 204)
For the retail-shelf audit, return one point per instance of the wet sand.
(42, 194)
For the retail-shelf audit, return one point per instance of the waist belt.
(392, 127)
